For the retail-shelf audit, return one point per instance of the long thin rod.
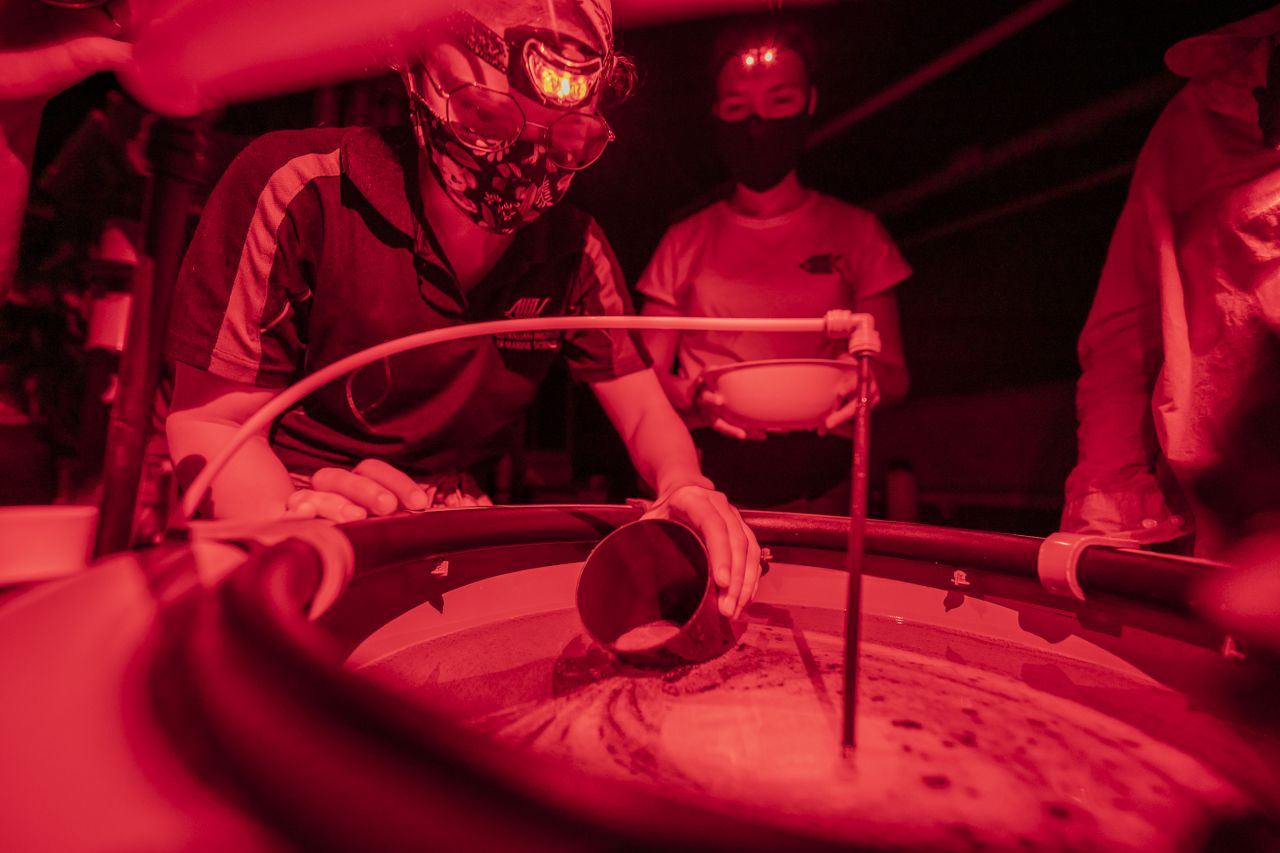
(993, 35)
(853, 559)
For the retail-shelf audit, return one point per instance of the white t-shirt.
(822, 255)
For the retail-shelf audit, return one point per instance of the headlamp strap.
(479, 39)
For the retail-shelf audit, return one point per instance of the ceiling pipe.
(1021, 205)
(1070, 129)
(993, 35)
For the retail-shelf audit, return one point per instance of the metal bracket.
(1058, 561)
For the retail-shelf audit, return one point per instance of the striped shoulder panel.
(600, 263)
(242, 322)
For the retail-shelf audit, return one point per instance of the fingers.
(720, 425)
(849, 409)
(308, 503)
(840, 415)
(408, 493)
(735, 596)
(754, 568)
(357, 489)
(710, 398)
(715, 533)
(705, 510)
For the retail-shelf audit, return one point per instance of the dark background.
(1005, 259)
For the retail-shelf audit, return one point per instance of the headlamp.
(756, 56)
(553, 68)
(556, 79)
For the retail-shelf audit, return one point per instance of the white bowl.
(40, 542)
(781, 394)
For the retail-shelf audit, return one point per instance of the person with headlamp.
(774, 247)
(319, 243)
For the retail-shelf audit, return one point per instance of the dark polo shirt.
(313, 247)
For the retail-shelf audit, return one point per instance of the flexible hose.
(835, 324)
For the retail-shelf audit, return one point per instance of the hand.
(47, 49)
(372, 486)
(846, 410)
(452, 491)
(712, 401)
(732, 548)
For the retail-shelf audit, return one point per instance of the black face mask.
(760, 152)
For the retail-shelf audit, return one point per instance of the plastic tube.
(836, 324)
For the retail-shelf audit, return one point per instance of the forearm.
(892, 380)
(662, 451)
(254, 483)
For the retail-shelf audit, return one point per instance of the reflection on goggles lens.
(489, 120)
(484, 118)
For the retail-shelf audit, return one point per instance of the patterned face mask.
(499, 190)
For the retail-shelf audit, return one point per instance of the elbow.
(894, 384)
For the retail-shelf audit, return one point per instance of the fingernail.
(386, 504)
(353, 513)
(725, 609)
(418, 499)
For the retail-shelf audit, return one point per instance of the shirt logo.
(821, 264)
(526, 308)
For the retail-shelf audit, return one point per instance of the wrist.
(667, 486)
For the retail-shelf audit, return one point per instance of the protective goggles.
(552, 68)
(487, 120)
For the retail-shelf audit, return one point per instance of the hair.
(775, 29)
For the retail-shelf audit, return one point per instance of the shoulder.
(857, 224)
(296, 155)
(692, 227)
(842, 213)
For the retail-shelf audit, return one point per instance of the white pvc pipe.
(834, 324)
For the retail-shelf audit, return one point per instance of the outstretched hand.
(376, 488)
(732, 548)
(711, 402)
(849, 407)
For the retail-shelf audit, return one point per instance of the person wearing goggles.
(319, 243)
(773, 247)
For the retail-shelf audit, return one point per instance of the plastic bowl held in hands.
(647, 596)
(781, 394)
(41, 542)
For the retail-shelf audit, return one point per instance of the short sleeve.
(597, 355)
(659, 283)
(878, 265)
(246, 278)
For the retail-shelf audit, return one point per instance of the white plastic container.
(40, 542)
